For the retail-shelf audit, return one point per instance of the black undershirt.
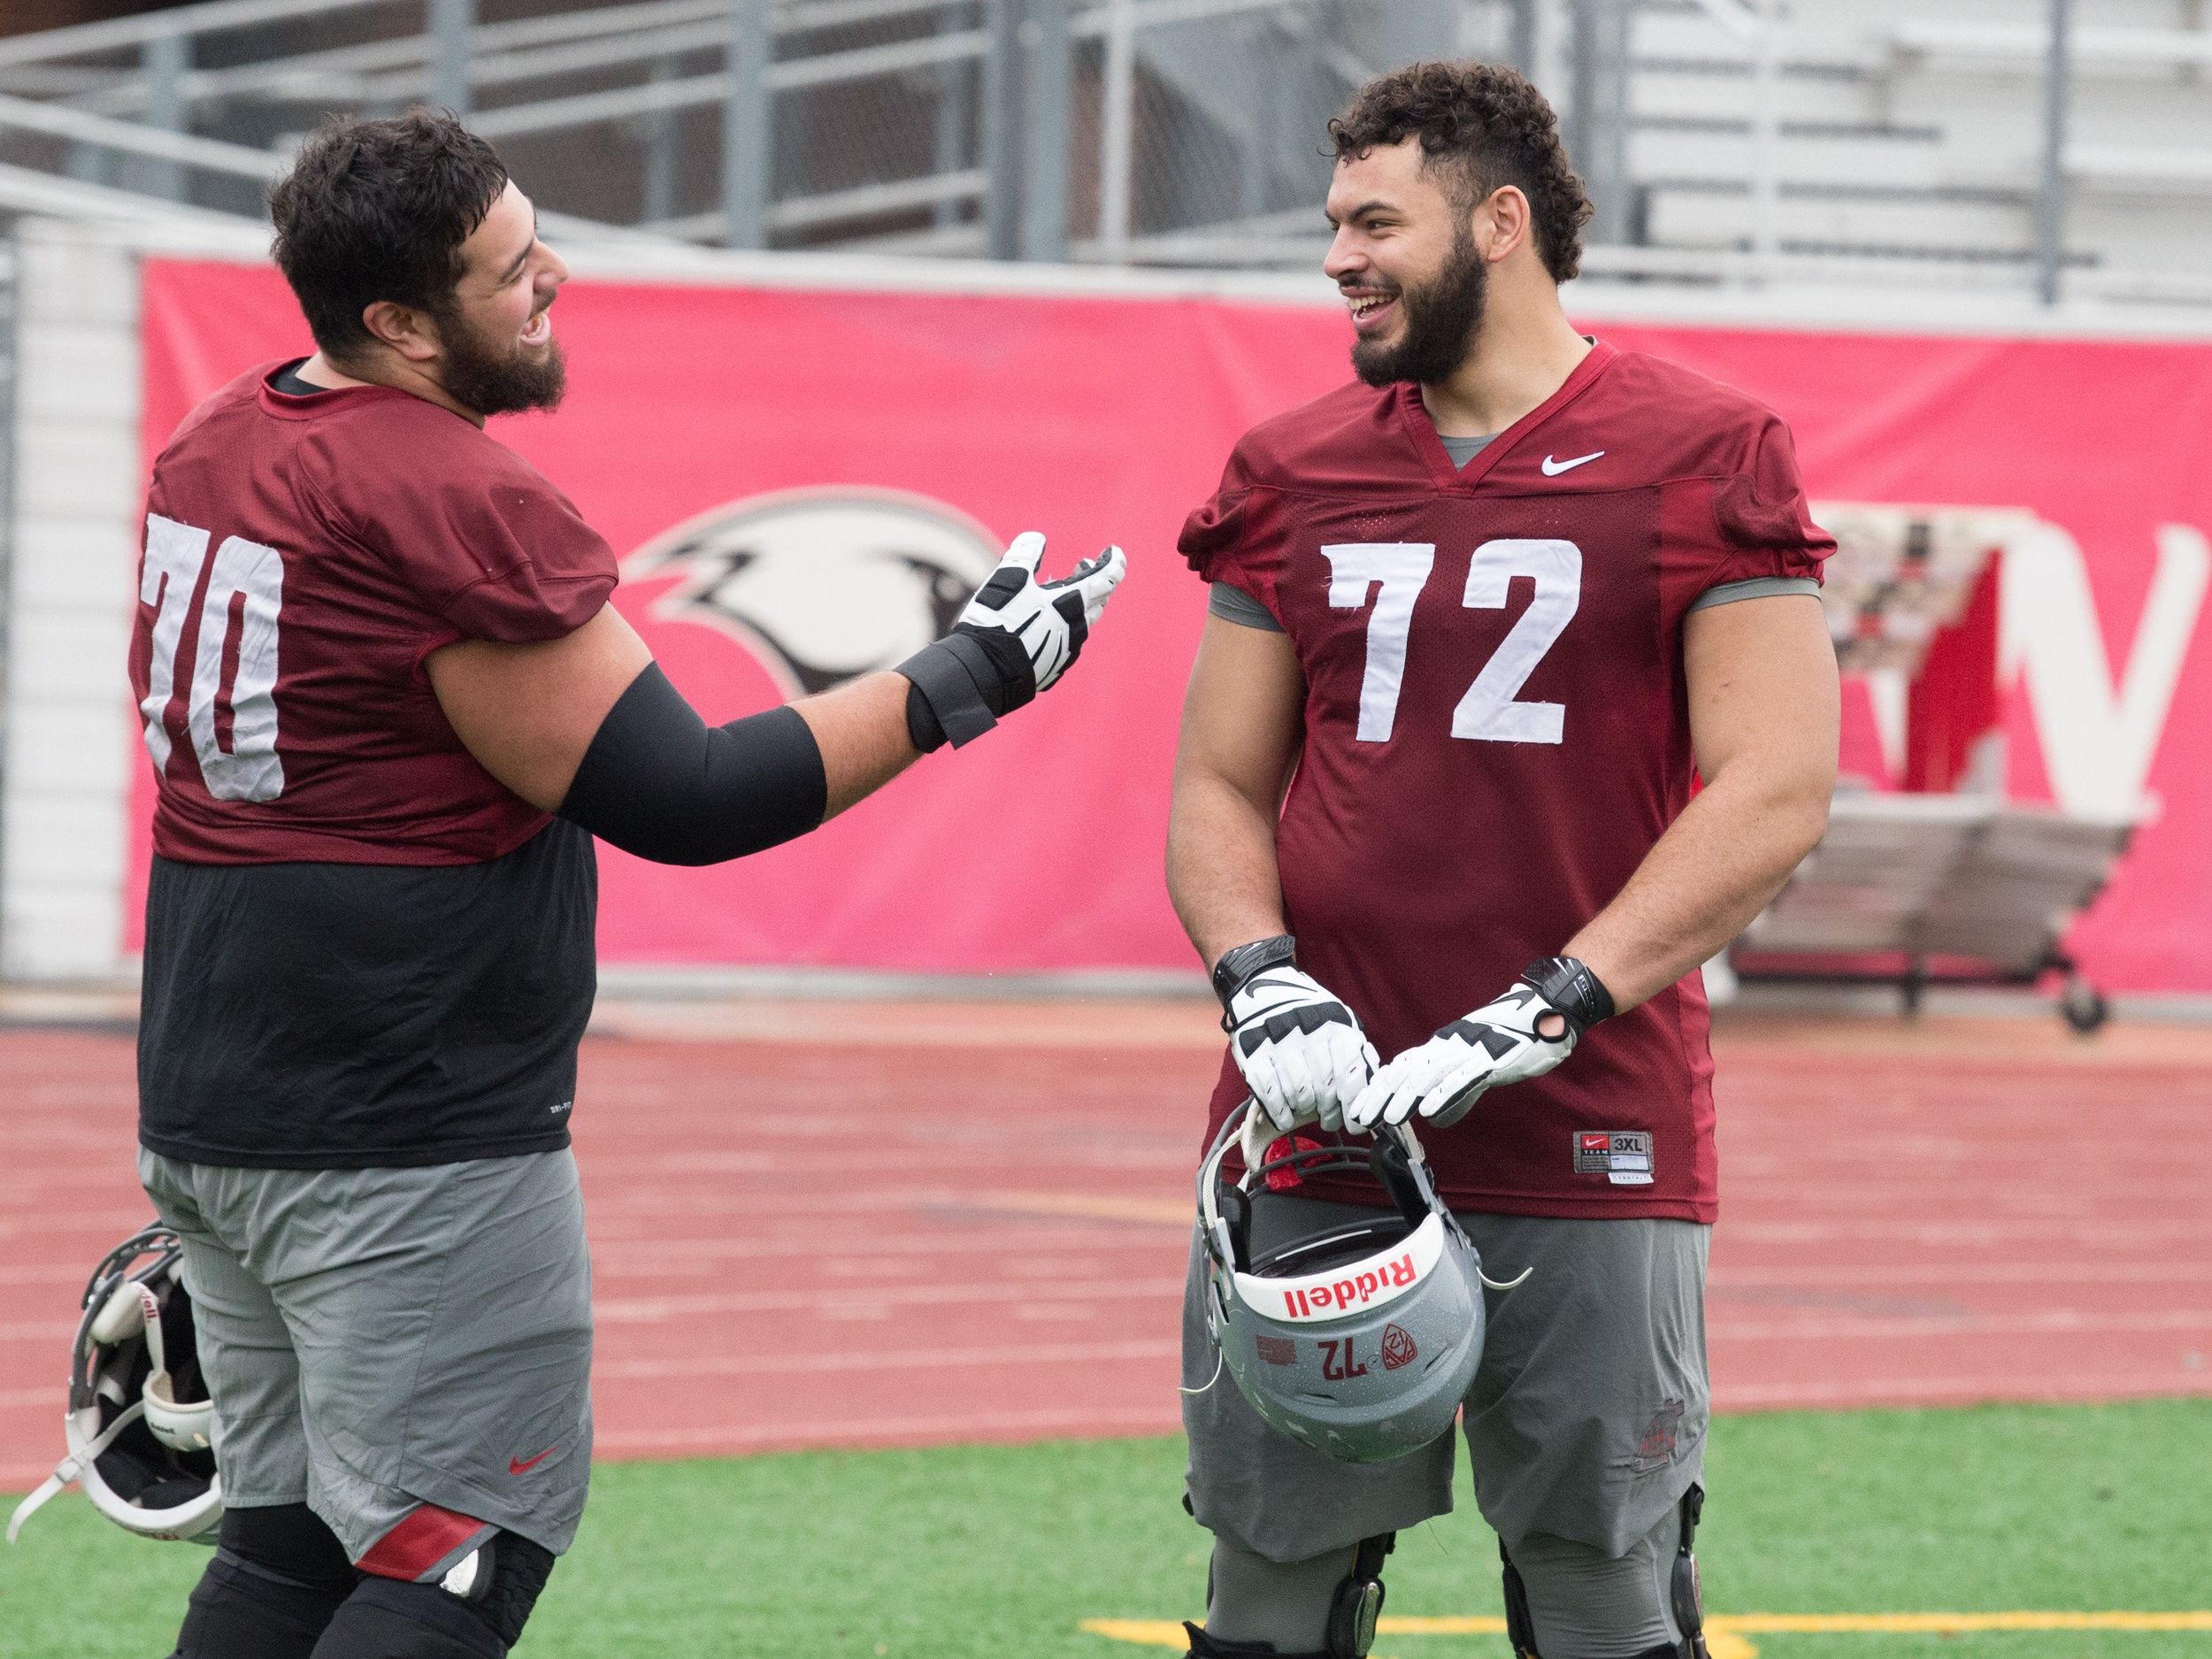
(287, 380)
(328, 1016)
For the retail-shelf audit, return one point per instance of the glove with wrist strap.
(1522, 1033)
(1016, 637)
(1301, 1051)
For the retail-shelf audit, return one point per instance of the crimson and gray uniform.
(367, 967)
(1495, 733)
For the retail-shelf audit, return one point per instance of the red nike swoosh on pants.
(524, 1466)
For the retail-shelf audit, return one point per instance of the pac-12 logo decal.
(822, 585)
(1398, 1350)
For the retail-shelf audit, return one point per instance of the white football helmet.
(1359, 1340)
(140, 1426)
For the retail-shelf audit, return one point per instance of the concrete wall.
(64, 789)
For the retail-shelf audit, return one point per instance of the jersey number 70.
(1489, 712)
(247, 578)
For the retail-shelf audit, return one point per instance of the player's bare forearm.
(1763, 692)
(1221, 873)
(861, 730)
(1240, 724)
(1710, 873)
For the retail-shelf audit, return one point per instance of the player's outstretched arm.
(1301, 1051)
(589, 726)
(1763, 694)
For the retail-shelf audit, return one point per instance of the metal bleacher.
(1899, 141)
(1891, 155)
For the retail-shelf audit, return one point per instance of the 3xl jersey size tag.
(1621, 1156)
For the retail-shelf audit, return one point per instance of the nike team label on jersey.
(1621, 1156)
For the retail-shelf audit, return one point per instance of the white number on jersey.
(253, 576)
(1489, 711)
(1402, 568)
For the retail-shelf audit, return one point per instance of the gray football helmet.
(1360, 1339)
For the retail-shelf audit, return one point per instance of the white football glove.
(1522, 1034)
(1014, 639)
(1301, 1051)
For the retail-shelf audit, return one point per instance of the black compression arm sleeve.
(659, 782)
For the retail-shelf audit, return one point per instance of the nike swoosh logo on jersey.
(1553, 469)
(524, 1466)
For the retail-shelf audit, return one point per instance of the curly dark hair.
(377, 211)
(1485, 127)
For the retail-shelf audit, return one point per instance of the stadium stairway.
(1913, 128)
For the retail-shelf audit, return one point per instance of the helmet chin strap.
(71, 1467)
(1219, 1362)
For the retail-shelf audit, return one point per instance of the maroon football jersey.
(304, 555)
(1496, 729)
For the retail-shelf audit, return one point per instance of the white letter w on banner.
(2099, 731)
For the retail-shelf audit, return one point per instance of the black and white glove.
(1301, 1051)
(1522, 1034)
(1015, 638)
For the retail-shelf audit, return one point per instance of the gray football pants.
(1585, 1426)
(406, 1351)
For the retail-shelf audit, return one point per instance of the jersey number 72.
(1489, 712)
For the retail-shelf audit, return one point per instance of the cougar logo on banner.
(823, 584)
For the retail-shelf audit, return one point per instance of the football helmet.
(1359, 1340)
(140, 1425)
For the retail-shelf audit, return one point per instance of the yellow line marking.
(1163, 1633)
(1726, 1632)
(1146, 1632)
(1954, 1623)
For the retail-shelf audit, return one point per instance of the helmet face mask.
(140, 1425)
(1359, 1338)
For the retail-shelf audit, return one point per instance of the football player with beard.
(389, 706)
(1478, 622)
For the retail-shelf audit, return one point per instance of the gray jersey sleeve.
(1758, 587)
(1232, 603)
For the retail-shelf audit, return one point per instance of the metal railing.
(1174, 132)
(155, 104)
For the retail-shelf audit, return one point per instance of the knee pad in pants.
(1321, 1607)
(479, 1608)
(1566, 1599)
(390, 1618)
(500, 1582)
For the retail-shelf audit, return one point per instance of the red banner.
(753, 452)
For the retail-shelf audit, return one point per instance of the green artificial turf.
(981, 1552)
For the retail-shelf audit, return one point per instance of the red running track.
(821, 1224)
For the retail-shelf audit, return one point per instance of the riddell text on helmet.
(1330, 1299)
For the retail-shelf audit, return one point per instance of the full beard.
(481, 375)
(1442, 316)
